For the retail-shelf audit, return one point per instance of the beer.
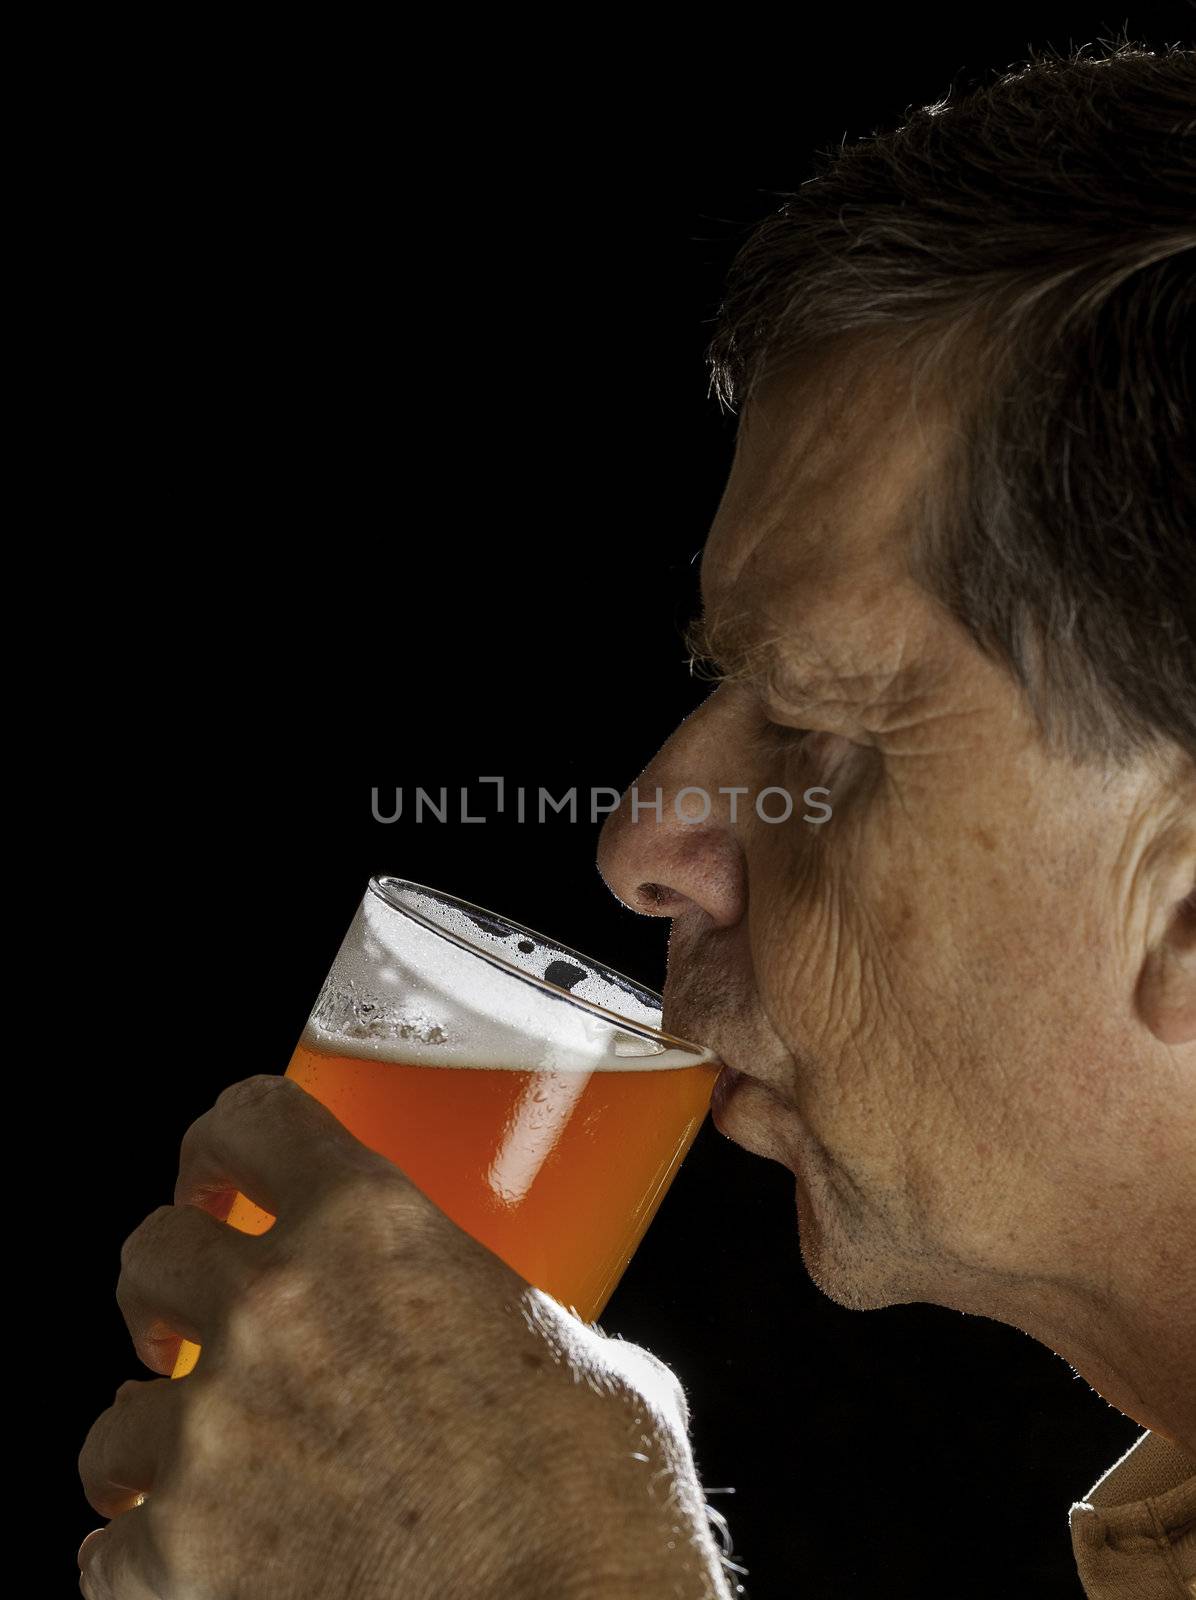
(543, 1123)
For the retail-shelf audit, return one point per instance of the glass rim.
(702, 1055)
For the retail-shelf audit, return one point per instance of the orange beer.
(544, 1123)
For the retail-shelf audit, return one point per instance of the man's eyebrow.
(720, 653)
(788, 664)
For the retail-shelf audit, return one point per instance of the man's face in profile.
(941, 995)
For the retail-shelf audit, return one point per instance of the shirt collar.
(1134, 1533)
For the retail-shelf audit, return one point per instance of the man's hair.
(1029, 247)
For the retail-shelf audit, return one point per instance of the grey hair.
(1030, 247)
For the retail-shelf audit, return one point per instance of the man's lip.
(745, 1110)
(725, 1085)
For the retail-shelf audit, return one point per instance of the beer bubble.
(423, 979)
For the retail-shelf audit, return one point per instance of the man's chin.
(846, 1269)
(850, 1245)
(849, 1253)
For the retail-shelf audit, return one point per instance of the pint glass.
(526, 1089)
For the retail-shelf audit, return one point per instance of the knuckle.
(128, 1393)
(252, 1091)
(87, 1453)
(194, 1135)
(275, 1296)
(97, 1451)
(374, 1199)
(278, 1328)
(368, 1181)
(145, 1233)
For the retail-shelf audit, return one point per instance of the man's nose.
(671, 846)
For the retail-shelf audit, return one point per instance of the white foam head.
(424, 978)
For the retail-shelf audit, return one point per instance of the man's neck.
(1141, 1358)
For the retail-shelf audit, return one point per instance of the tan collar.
(1134, 1533)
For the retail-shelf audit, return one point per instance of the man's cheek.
(810, 965)
(834, 959)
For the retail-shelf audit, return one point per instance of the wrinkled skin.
(966, 1005)
(967, 1001)
(381, 1407)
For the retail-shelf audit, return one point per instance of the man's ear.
(1166, 997)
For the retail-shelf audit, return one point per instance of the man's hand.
(382, 1407)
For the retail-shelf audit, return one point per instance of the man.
(951, 580)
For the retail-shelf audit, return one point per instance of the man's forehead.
(805, 573)
(826, 475)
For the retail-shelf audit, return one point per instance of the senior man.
(951, 581)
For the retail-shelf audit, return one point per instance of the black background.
(386, 415)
